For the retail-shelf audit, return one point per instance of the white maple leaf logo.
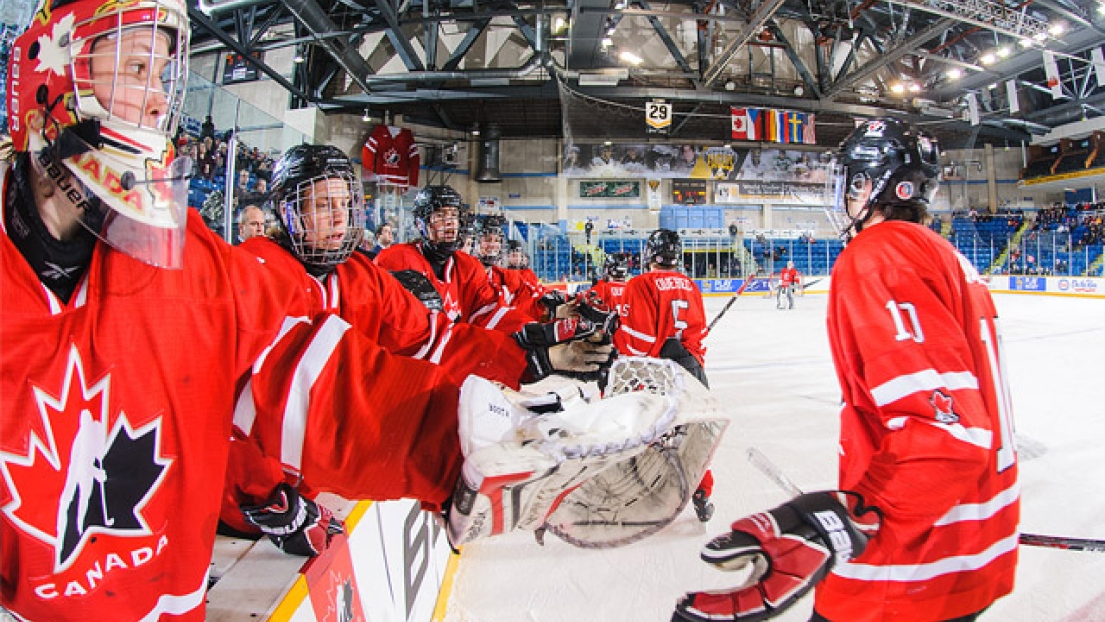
(52, 56)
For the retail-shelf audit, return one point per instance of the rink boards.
(391, 567)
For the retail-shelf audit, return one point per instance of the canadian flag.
(740, 123)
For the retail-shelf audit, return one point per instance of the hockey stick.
(776, 475)
(736, 294)
(813, 282)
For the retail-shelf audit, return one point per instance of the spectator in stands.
(251, 222)
(385, 237)
(207, 128)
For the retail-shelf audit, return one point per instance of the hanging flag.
(740, 123)
(1099, 65)
(657, 117)
(809, 135)
(796, 126)
(756, 118)
(972, 108)
(1011, 94)
(1052, 70)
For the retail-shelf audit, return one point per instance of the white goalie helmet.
(95, 94)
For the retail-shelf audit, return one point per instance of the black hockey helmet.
(616, 266)
(433, 199)
(323, 222)
(902, 164)
(489, 238)
(663, 247)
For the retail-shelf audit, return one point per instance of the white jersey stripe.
(245, 410)
(979, 437)
(981, 511)
(177, 604)
(925, 572)
(925, 380)
(638, 334)
(318, 354)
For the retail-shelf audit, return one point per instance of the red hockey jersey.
(391, 154)
(367, 297)
(926, 430)
(613, 294)
(515, 290)
(658, 305)
(117, 408)
(466, 291)
(788, 276)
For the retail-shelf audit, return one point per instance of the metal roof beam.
(756, 22)
(398, 39)
(906, 47)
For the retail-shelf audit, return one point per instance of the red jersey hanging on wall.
(392, 156)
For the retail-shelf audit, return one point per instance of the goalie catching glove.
(294, 523)
(578, 346)
(791, 549)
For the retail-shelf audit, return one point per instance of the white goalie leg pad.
(519, 465)
(637, 497)
(640, 495)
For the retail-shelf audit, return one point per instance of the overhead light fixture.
(608, 77)
(914, 87)
(799, 90)
(559, 24)
(897, 87)
(629, 57)
(1056, 29)
(730, 85)
(988, 58)
(606, 42)
(955, 73)
(1025, 43)
(367, 118)
(298, 58)
(1004, 51)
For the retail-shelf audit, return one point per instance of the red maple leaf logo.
(942, 404)
(62, 491)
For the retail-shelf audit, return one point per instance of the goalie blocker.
(595, 472)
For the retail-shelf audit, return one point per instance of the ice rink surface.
(773, 369)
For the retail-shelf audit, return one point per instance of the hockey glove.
(552, 301)
(577, 347)
(790, 548)
(295, 524)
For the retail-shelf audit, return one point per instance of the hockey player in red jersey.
(119, 376)
(459, 278)
(318, 203)
(611, 287)
(129, 328)
(789, 279)
(924, 526)
(664, 318)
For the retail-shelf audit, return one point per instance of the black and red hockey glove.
(576, 346)
(294, 523)
(790, 548)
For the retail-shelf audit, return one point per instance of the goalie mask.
(320, 205)
(94, 96)
(616, 267)
(663, 248)
(439, 214)
(882, 164)
(489, 240)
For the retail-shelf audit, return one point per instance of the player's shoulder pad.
(416, 283)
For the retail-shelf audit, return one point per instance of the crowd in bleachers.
(208, 187)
